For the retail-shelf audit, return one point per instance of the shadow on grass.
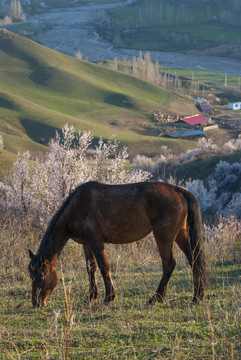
(38, 131)
(120, 100)
(41, 74)
(6, 102)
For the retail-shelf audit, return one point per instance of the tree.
(16, 11)
(134, 67)
(79, 55)
(1, 142)
(149, 68)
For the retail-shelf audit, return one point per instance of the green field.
(126, 329)
(175, 26)
(41, 89)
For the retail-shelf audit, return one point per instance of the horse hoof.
(109, 299)
(196, 300)
(155, 298)
(90, 299)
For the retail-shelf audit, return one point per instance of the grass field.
(68, 328)
(205, 77)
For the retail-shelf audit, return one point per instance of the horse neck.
(54, 240)
(57, 234)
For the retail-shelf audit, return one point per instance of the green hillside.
(41, 90)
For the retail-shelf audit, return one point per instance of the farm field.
(126, 329)
(204, 77)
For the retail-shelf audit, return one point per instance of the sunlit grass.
(127, 328)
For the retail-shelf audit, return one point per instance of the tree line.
(143, 68)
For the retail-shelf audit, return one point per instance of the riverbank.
(69, 30)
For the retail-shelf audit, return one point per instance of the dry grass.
(68, 328)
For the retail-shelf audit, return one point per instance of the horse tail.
(195, 247)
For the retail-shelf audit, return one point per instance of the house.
(205, 108)
(234, 105)
(211, 127)
(186, 134)
(231, 123)
(201, 100)
(195, 120)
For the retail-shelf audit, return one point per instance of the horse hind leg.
(165, 247)
(91, 270)
(183, 242)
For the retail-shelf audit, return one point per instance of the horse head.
(44, 278)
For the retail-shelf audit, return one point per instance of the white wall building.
(235, 105)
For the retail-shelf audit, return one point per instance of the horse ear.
(31, 255)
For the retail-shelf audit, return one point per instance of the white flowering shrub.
(206, 195)
(220, 192)
(224, 239)
(232, 146)
(234, 205)
(35, 189)
(206, 146)
(143, 162)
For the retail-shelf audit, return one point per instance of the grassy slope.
(41, 89)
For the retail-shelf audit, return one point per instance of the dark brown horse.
(95, 214)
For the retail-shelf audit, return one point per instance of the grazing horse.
(95, 214)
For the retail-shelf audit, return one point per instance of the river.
(70, 30)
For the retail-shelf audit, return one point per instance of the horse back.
(126, 213)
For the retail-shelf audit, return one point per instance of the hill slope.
(41, 89)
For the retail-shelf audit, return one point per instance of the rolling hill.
(41, 90)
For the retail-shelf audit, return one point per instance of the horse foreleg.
(165, 247)
(91, 269)
(99, 253)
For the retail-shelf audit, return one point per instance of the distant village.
(196, 125)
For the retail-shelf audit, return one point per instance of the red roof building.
(195, 120)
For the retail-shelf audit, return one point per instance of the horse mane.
(56, 217)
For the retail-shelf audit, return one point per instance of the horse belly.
(126, 231)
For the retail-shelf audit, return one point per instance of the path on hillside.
(69, 30)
